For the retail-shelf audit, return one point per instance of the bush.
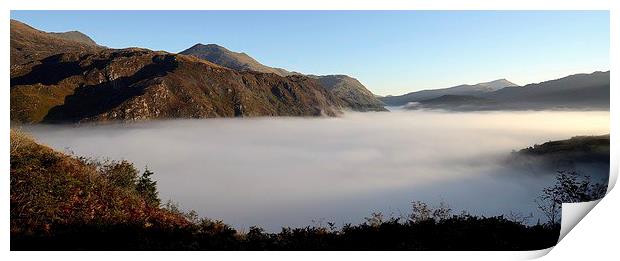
(121, 174)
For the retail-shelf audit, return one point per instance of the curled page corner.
(572, 213)
(613, 173)
(535, 254)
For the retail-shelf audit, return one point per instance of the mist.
(276, 172)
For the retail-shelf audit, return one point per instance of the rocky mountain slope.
(139, 84)
(29, 44)
(464, 89)
(349, 89)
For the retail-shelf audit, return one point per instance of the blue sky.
(391, 52)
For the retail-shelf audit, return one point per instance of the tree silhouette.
(568, 188)
(147, 188)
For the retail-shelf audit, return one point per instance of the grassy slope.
(52, 194)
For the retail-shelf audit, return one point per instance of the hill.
(350, 90)
(139, 84)
(461, 90)
(586, 155)
(29, 44)
(578, 91)
(53, 194)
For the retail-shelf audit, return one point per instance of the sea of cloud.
(277, 172)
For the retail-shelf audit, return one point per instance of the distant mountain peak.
(460, 90)
(502, 80)
(494, 85)
(206, 47)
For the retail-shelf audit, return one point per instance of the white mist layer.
(275, 172)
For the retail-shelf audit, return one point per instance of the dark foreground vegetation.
(62, 202)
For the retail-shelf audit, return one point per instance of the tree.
(375, 219)
(147, 188)
(421, 211)
(568, 188)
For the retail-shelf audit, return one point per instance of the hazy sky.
(391, 52)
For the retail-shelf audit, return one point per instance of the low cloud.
(289, 171)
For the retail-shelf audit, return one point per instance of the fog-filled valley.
(277, 172)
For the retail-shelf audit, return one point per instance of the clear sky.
(391, 52)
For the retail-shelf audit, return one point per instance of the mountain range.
(68, 77)
(464, 89)
(578, 91)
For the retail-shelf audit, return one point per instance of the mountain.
(579, 91)
(574, 92)
(465, 89)
(139, 84)
(75, 36)
(233, 60)
(350, 90)
(29, 44)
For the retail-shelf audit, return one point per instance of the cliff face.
(139, 84)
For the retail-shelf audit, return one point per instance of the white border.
(591, 235)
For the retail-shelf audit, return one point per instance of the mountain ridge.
(29, 44)
(356, 96)
(463, 89)
(578, 91)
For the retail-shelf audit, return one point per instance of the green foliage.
(121, 174)
(147, 188)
